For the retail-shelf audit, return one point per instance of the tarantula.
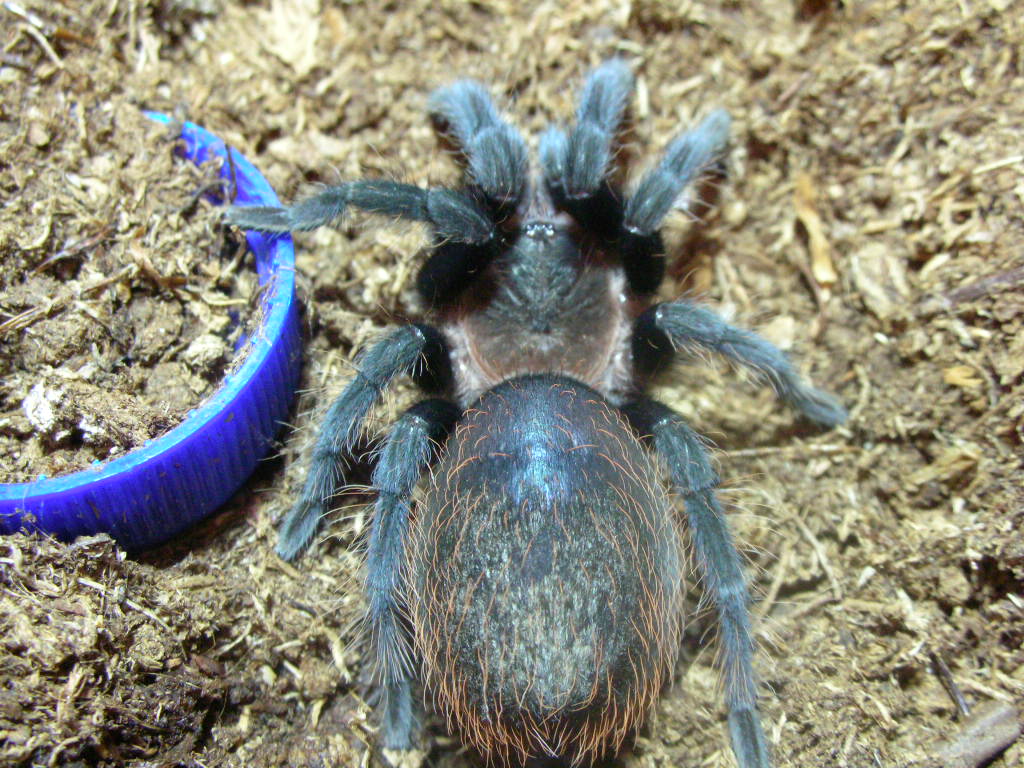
(537, 584)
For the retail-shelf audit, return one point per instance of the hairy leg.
(719, 563)
(577, 165)
(662, 188)
(453, 215)
(464, 233)
(495, 150)
(416, 350)
(406, 455)
(663, 328)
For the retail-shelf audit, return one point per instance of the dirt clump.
(119, 298)
(90, 667)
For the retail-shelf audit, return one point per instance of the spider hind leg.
(407, 453)
(719, 565)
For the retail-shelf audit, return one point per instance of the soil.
(119, 296)
(870, 224)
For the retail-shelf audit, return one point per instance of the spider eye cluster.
(539, 230)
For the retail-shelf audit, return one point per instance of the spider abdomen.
(546, 573)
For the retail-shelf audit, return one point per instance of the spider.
(536, 587)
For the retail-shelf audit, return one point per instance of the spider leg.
(464, 233)
(450, 268)
(577, 165)
(719, 563)
(453, 215)
(665, 327)
(406, 454)
(495, 150)
(686, 158)
(658, 192)
(417, 350)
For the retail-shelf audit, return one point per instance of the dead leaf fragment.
(952, 463)
(880, 276)
(962, 376)
(822, 268)
(291, 30)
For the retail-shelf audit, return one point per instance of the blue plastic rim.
(172, 482)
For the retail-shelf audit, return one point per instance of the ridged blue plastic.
(172, 482)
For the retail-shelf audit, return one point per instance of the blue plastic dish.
(163, 487)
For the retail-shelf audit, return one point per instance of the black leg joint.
(438, 415)
(600, 213)
(450, 269)
(434, 373)
(652, 347)
(643, 260)
(645, 416)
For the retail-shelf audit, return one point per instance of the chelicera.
(536, 587)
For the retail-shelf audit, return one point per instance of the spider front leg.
(663, 328)
(464, 232)
(406, 455)
(577, 165)
(453, 215)
(686, 158)
(577, 168)
(417, 350)
(659, 191)
(719, 564)
(495, 150)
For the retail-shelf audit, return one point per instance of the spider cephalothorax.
(536, 588)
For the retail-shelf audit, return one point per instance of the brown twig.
(791, 450)
(812, 605)
(74, 249)
(819, 551)
(976, 290)
(218, 186)
(992, 729)
(232, 175)
(29, 317)
(946, 677)
(38, 36)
